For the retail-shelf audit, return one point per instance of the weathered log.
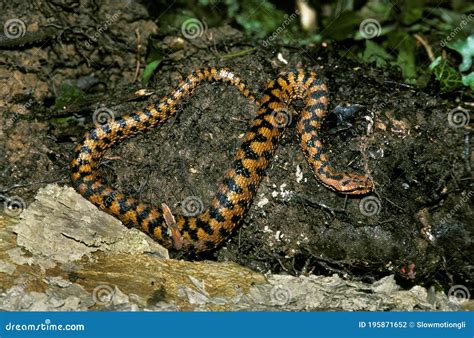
(68, 255)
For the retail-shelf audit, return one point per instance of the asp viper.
(215, 224)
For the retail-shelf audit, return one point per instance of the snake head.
(354, 184)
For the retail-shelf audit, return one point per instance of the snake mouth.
(352, 184)
(359, 185)
(357, 191)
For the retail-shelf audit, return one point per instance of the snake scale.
(227, 209)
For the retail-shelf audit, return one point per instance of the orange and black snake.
(215, 224)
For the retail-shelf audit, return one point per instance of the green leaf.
(406, 57)
(68, 95)
(149, 70)
(436, 62)
(412, 11)
(468, 80)
(406, 62)
(260, 17)
(61, 119)
(462, 6)
(448, 77)
(375, 53)
(384, 30)
(377, 9)
(452, 18)
(466, 49)
(343, 26)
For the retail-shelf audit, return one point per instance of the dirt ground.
(417, 224)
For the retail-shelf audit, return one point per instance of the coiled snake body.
(215, 224)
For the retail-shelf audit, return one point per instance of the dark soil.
(422, 231)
